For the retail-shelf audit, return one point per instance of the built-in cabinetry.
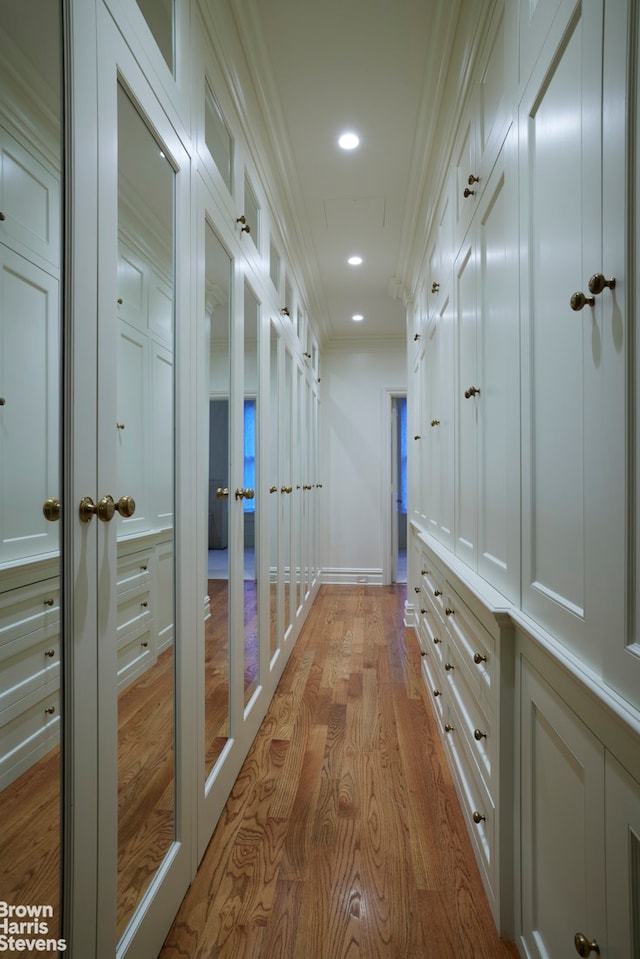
(467, 662)
(524, 468)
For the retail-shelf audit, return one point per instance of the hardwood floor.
(342, 838)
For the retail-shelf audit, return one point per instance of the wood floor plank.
(343, 837)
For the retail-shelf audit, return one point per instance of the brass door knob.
(468, 192)
(244, 494)
(222, 493)
(584, 946)
(286, 489)
(273, 489)
(449, 666)
(126, 506)
(479, 658)
(478, 818)
(435, 422)
(104, 509)
(471, 179)
(472, 391)
(598, 283)
(578, 301)
(478, 734)
(51, 510)
(448, 611)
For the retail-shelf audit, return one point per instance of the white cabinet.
(486, 388)
(467, 661)
(579, 827)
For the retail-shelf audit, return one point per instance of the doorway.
(399, 488)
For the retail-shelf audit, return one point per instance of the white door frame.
(388, 494)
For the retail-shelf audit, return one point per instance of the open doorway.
(399, 489)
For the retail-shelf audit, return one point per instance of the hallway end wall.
(356, 379)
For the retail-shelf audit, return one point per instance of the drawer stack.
(467, 666)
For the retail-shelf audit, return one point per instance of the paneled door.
(129, 854)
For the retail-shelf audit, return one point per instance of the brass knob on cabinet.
(479, 658)
(50, 710)
(437, 692)
(448, 728)
(584, 946)
(478, 734)
(273, 489)
(120, 426)
(425, 572)
(416, 589)
(471, 179)
(416, 337)
(472, 391)
(436, 640)
(126, 506)
(578, 301)
(468, 192)
(51, 510)
(478, 818)
(244, 494)
(245, 228)
(437, 592)
(3, 401)
(448, 611)
(307, 486)
(3, 216)
(286, 489)
(435, 287)
(49, 602)
(424, 611)
(449, 666)
(222, 493)
(598, 283)
(103, 509)
(435, 422)
(50, 653)
(417, 436)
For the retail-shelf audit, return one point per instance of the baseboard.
(352, 577)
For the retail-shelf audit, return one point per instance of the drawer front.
(477, 808)
(29, 729)
(471, 721)
(135, 655)
(28, 664)
(28, 609)
(474, 644)
(434, 686)
(433, 584)
(134, 612)
(134, 571)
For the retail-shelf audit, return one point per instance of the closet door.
(568, 578)
(33, 645)
(134, 512)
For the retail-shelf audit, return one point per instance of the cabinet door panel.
(560, 183)
(466, 512)
(562, 824)
(623, 861)
(29, 414)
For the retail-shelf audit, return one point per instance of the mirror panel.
(250, 505)
(218, 305)
(160, 18)
(299, 500)
(252, 213)
(31, 634)
(145, 470)
(275, 607)
(286, 490)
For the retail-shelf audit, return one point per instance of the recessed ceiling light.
(357, 317)
(355, 260)
(349, 141)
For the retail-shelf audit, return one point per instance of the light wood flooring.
(342, 837)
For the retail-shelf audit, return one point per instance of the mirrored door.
(251, 499)
(31, 617)
(218, 305)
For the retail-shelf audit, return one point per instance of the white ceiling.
(371, 66)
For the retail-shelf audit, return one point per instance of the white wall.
(356, 386)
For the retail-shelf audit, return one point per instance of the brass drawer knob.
(448, 728)
(424, 611)
(416, 589)
(435, 422)
(478, 818)
(436, 640)
(479, 658)
(448, 611)
(584, 946)
(437, 692)
(50, 653)
(48, 602)
(472, 391)
(437, 592)
(435, 287)
(51, 510)
(471, 179)
(425, 572)
(478, 734)
(468, 193)
(449, 666)
(50, 710)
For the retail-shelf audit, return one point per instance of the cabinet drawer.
(478, 808)
(433, 585)
(135, 655)
(471, 721)
(29, 729)
(474, 644)
(28, 609)
(434, 686)
(134, 612)
(134, 571)
(28, 664)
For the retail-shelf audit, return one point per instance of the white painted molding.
(336, 576)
